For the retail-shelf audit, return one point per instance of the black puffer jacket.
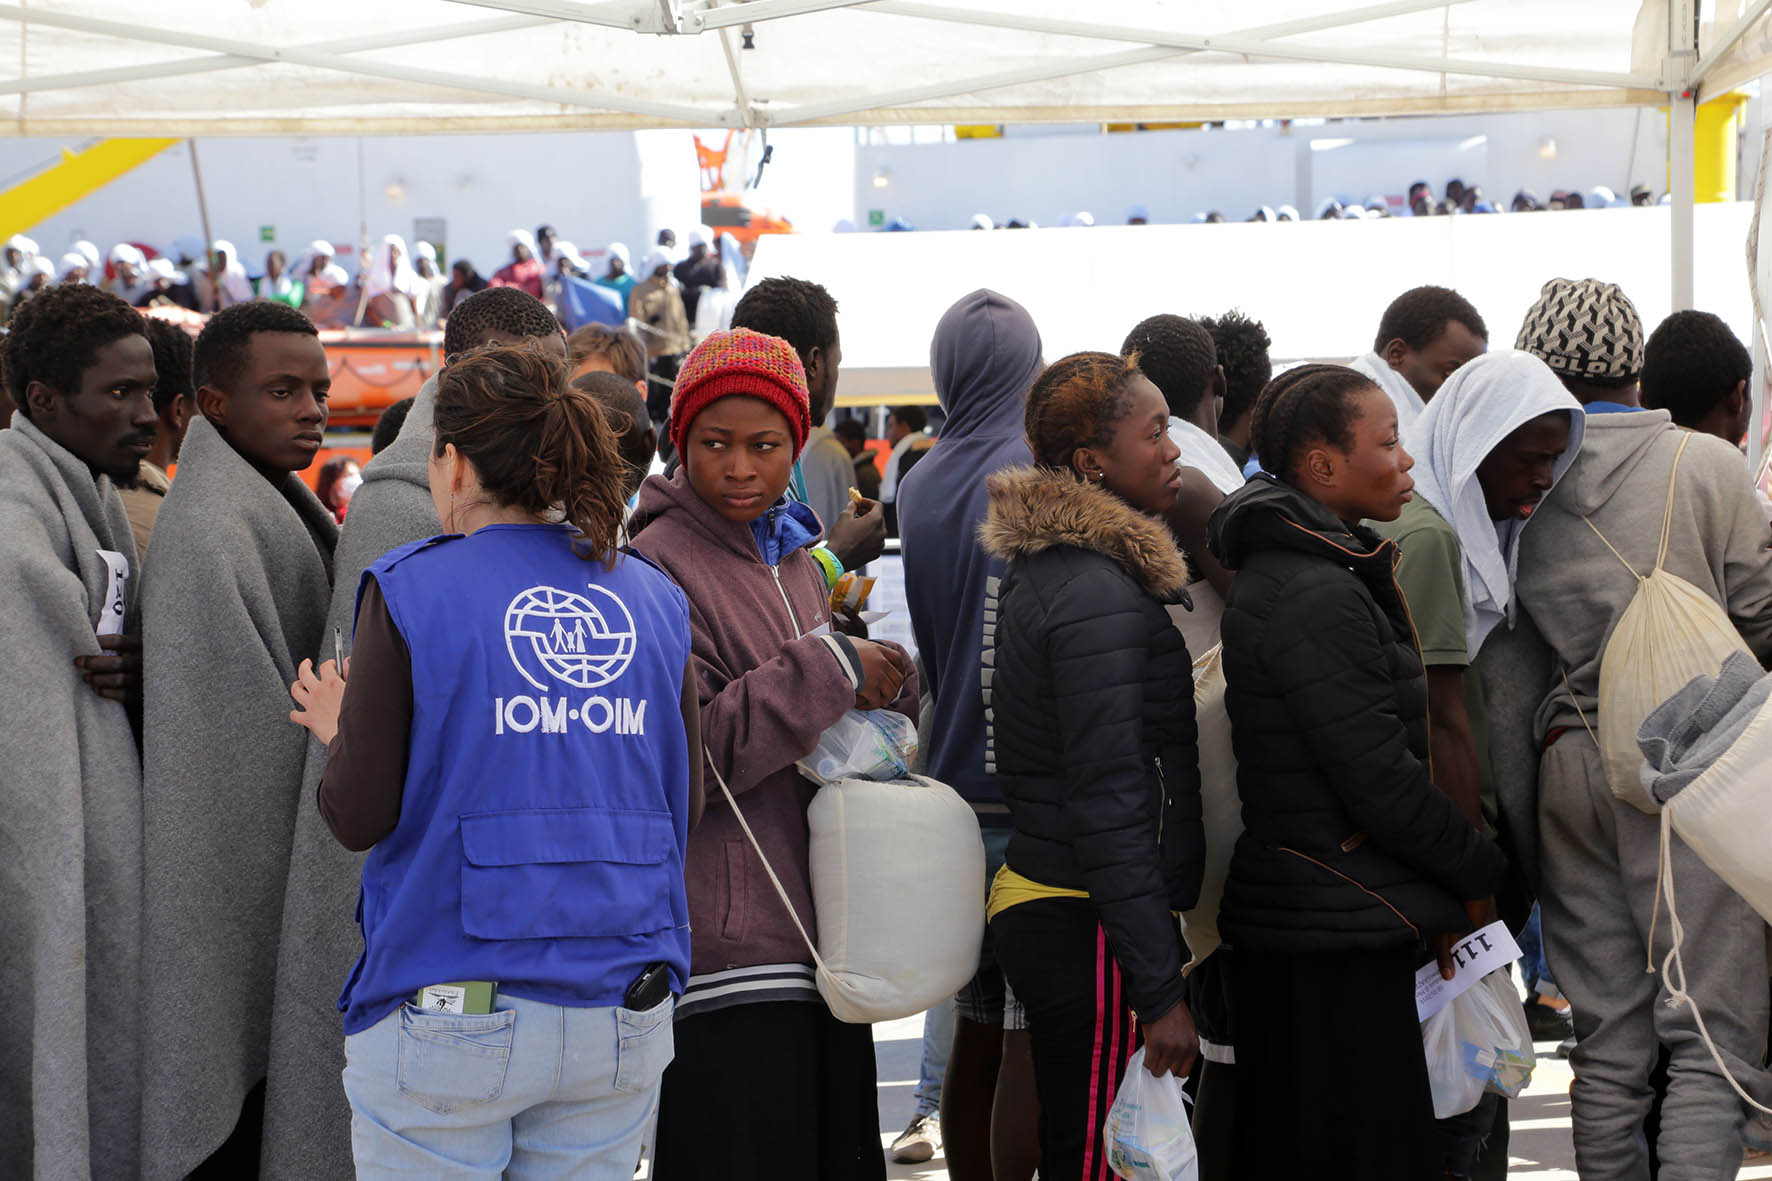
(1347, 843)
(1090, 710)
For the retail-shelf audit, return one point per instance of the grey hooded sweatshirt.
(985, 354)
(1576, 589)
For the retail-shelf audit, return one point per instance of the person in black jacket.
(1351, 858)
(1090, 714)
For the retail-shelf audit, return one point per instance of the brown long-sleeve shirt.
(360, 792)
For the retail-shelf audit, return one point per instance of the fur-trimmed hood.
(1033, 509)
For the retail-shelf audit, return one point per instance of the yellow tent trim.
(49, 192)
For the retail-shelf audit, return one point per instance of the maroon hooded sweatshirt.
(769, 688)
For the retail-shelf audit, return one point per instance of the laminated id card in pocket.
(467, 998)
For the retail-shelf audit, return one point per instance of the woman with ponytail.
(517, 746)
(1352, 861)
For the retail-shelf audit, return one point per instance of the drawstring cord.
(1673, 966)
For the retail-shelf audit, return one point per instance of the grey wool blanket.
(70, 827)
(233, 599)
(307, 1118)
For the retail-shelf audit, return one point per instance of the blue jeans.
(938, 1040)
(1534, 968)
(530, 1090)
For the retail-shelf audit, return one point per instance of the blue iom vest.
(545, 811)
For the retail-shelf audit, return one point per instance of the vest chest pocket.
(549, 873)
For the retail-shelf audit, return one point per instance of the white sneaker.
(918, 1142)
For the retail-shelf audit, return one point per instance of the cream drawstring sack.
(1670, 633)
(896, 867)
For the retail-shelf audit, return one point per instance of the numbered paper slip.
(110, 616)
(1473, 957)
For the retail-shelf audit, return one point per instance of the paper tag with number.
(110, 616)
(1473, 957)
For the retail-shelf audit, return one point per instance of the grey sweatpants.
(1600, 858)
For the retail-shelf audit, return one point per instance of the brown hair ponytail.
(535, 442)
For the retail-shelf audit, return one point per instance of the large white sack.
(896, 874)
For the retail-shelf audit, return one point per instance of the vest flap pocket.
(541, 836)
(552, 873)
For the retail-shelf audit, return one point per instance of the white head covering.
(88, 251)
(320, 247)
(233, 280)
(1487, 399)
(23, 245)
(618, 250)
(981, 221)
(387, 275)
(522, 238)
(565, 251)
(732, 258)
(1602, 197)
(1286, 213)
(125, 253)
(1409, 404)
(698, 236)
(72, 261)
(162, 268)
(39, 264)
(655, 259)
(424, 250)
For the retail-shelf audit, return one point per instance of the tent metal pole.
(623, 14)
(214, 62)
(1255, 44)
(595, 100)
(1682, 114)
(202, 204)
(1756, 393)
(755, 12)
(1050, 68)
(1721, 48)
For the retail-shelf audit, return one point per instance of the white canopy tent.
(209, 67)
(343, 66)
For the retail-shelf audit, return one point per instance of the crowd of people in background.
(1419, 201)
(551, 954)
(405, 288)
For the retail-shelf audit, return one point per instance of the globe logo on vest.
(558, 635)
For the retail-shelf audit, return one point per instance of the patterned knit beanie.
(742, 362)
(1585, 329)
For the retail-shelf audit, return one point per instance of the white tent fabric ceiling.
(118, 67)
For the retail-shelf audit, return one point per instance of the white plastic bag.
(1147, 1133)
(1478, 1042)
(863, 744)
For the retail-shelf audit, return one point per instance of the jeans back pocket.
(448, 1061)
(644, 1046)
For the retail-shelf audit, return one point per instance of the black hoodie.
(1347, 843)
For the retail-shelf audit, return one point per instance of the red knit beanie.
(746, 363)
